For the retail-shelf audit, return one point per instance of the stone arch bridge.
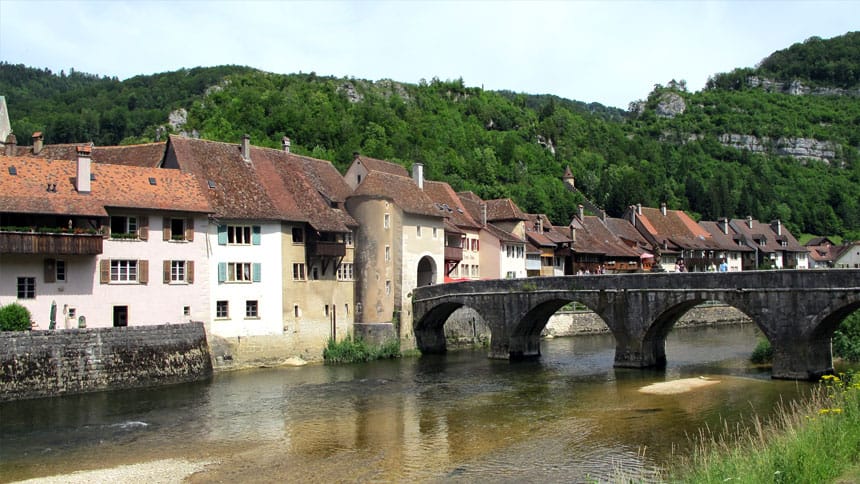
(798, 311)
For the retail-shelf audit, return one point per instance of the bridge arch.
(526, 334)
(430, 328)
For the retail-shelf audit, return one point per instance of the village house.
(773, 246)
(596, 248)
(553, 244)
(731, 249)
(462, 233)
(106, 245)
(822, 252)
(503, 254)
(848, 256)
(401, 233)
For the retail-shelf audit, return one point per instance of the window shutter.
(105, 230)
(104, 271)
(143, 271)
(222, 271)
(166, 269)
(143, 227)
(222, 235)
(165, 229)
(255, 271)
(189, 229)
(50, 270)
(255, 235)
(189, 271)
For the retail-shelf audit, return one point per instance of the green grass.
(353, 350)
(815, 440)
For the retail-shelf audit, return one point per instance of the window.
(61, 270)
(298, 235)
(123, 227)
(386, 221)
(387, 288)
(177, 271)
(296, 311)
(511, 275)
(476, 245)
(299, 271)
(251, 309)
(120, 316)
(387, 253)
(418, 231)
(177, 229)
(346, 271)
(186, 310)
(123, 271)
(72, 313)
(222, 309)
(346, 309)
(26, 287)
(326, 310)
(435, 232)
(348, 240)
(315, 273)
(238, 272)
(238, 235)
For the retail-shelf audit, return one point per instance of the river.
(568, 416)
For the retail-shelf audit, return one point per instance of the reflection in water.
(567, 416)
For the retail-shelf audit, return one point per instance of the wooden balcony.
(453, 253)
(320, 248)
(50, 243)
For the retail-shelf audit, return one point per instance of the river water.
(568, 416)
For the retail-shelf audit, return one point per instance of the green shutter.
(256, 268)
(255, 235)
(222, 271)
(222, 235)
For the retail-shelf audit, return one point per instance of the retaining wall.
(36, 364)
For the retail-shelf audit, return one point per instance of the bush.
(354, 350)
(846, 339)
(763, 352)
(14, 317)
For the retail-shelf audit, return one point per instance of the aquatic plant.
(353, 350)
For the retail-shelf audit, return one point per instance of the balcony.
(49, 243)
(321, 248)
(453, 253)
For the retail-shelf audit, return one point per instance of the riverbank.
(164, 471)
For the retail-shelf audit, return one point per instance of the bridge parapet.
(797, 310)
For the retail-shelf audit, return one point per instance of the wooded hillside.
(725, 151)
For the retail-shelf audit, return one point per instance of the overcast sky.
(611, 52)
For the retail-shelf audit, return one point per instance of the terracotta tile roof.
(753, 231)
(675, 228)
(372, 164)
(113, 186)
(449, 205)
(504, 209)
(610, 243)
(624, 230)
(273, 185)
(502, 235)
(472, 204)
(325, 178)
(400, 190)
(724, 241)
(144, 155)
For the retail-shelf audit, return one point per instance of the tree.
(14, 317)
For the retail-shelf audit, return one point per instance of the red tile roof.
(113, 186)
(144, 155)
(400, 190)
(675, 228)
(754, 231)
(504, 209)
(372, 164)
(449, 205)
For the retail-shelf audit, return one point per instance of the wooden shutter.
(222, 271)
(143, 271)
(143, 227)
(166, 268)
(255, 235)
(104, 271)
(189, 271)
(189, 229)
(50, 270)
(222, 235)
(256, 269)
(165, 229)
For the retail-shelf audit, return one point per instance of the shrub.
(846, 339)
(763, 352)
(354, 350)
(14, 317)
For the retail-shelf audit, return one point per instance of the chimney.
(355, 155)
(663, 208)
(246, 147)
(573, 233)
(776, 225)
(540, 224)
(84, 168)
(418, 174)
(580, 211)
(11, 145)
(484, 214)
(37, 142)
(723, 224)
(749, 221)
(638, 209)
(286, 144)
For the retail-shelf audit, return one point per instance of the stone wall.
(36, 364)
(466, 327)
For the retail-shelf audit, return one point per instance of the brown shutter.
(189, 271)
(165, 229)
(143, 271)
(104, 271)
(50, 270)
(143, 227)
(105, 229)
(189, 229)
(166, 267)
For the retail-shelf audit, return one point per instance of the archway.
(426, 271)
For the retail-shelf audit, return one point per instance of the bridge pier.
(634, 353)
(801, 359)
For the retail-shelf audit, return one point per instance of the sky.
(611, 52)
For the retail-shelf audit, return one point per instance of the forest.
(506, 144)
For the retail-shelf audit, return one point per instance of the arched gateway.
(797, 310)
